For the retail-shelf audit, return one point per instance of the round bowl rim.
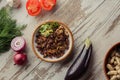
(53, 61)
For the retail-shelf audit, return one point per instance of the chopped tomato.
(33, 7)
(47, 4)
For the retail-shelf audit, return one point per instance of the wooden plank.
(97, 19)
(94, 26)
(98, 26)
(66, 19)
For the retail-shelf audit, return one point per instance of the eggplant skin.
(80, 65)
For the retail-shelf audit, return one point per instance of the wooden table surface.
(98, 19)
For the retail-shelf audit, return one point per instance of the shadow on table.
(70, 57)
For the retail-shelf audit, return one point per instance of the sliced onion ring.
(18, 44)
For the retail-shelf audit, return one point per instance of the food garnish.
(47, 29)
(8, 29)
(52, 40)
(80, 65)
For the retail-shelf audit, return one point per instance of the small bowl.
(108, 54)
(65, 55)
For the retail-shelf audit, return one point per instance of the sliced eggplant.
(80, 65)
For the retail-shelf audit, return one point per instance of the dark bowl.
(108, 54)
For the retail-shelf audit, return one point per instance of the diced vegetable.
(47, 29)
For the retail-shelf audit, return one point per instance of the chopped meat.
(55, 44)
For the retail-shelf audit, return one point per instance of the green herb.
(8, 29)
(48, 28)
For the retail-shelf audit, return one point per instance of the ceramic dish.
(110, 70)
(48, 59)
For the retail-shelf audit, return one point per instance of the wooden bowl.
(66, 54)
(108, 54)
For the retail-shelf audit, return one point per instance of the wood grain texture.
(97, 19)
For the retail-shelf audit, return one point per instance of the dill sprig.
(8, 29)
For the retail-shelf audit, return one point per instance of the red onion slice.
(18, 44)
